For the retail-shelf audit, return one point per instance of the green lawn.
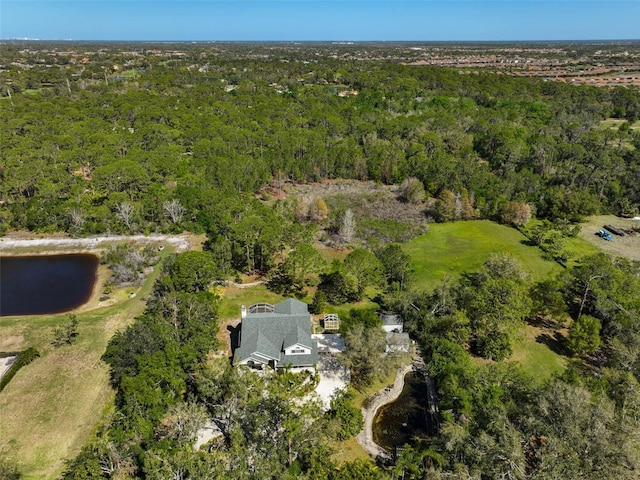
(233, 298)
(365, 304)
(450, 249)
(531, 350)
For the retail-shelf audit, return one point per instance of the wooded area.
(218, 143)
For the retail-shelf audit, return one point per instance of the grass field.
(450, 249)
(51, 407)
(537, 351)
(233, 298)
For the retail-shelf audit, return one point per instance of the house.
(277, 336)
(392, 322)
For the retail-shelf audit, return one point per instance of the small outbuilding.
(392, 322)
(331, 321)
(398, 343)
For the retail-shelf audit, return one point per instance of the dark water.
(404, 419)
(45, 284)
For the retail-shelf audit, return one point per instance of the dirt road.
(180, 242)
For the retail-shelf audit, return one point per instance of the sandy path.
(180, 242)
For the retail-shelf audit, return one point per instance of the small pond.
(37, 285)
(404, 419)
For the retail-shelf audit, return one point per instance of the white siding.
(297, 350)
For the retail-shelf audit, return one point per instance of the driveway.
(333, 376)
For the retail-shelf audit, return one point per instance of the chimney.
(243, 311)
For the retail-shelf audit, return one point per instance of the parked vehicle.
(604, 235)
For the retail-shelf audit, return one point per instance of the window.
(297, 351)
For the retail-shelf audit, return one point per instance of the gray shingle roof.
(268, 334)
(291, 306)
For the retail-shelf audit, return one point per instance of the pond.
(404, 419)
(37, 285)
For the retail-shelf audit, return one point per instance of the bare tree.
(348, 227)
(125, 212)
(183, 421)
(174, 210)
(76, 220)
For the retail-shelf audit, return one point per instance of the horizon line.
(27, 39)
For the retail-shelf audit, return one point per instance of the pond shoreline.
(388, 395)
(18, 244)
(46, 284)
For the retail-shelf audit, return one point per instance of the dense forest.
(161, 144)
(207, 142)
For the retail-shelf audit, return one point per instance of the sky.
(318, 20)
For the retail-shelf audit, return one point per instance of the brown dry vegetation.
(379, 212)
(368, 199)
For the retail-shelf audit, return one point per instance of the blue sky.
(360, 20)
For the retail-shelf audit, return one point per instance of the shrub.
(349, 418)
(584, 335)
(413, 191)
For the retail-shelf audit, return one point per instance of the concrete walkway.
(388, 395)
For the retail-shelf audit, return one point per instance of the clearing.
(614, 123)
(626, 247)
(450, 249)
(539, 349)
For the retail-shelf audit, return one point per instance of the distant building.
(277, 336)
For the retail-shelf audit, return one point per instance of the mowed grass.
(233, 298)
(450, 249)
(51, 407)
(533, 352)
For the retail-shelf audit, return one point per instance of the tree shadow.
(545, 322)
(556, 343)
